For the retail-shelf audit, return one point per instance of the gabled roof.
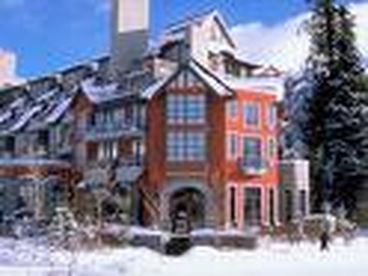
(198, 19)
(211, 80)
(100, 93)
(59, 111)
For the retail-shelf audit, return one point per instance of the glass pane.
(252, 206)
(252, 147)
(251, 113)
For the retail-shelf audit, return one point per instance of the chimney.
(130, 31)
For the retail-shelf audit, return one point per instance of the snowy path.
(27, 259)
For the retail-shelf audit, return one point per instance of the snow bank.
(18, 258)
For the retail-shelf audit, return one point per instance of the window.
(252, 148)
(303, 202)
(62, 135)
(251, 114)
(252, 206)
(195, 109)
(195, 146)
(272, 116)
(138, 151)
(10, 144)
(232, 109)
(105, 117)
(233, 206)
(272, 149)
(182, 109)
(289, 205)
(186, 146)
(43, 138)
(271, 207)
(232, 143)
(108, 150)
(7, 145)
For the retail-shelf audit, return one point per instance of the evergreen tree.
(322, 30)
(335, 122)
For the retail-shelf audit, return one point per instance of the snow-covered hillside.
(27, 258)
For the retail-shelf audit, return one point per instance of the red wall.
(218, 173)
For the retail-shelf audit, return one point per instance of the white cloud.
(286, 44)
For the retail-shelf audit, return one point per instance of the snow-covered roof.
(177, 27)
(100, 93)
(29, 161)
(151, 90)
(215, 83)
(217, 48)
(25, 118)
(5, 116)
(18, 103)
(59, 111)
(47, 95)
(272, 85)
(189, 21)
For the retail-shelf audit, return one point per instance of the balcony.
(121, 170)
(112, 131)
(254, 165)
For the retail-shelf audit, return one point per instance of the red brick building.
(211, 149)
(185, 129)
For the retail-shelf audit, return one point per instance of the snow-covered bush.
(64, 231)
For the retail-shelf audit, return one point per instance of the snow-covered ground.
(27, 258)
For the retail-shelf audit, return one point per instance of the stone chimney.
(130, 31)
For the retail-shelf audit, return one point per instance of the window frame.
(247, 215)
(231, 148)
(186, 146)
(108, 150)
(233, 198)
(252, 137)
(257, 113)
(185, 109)
(232, 109)
(272, 153)
(272, 115)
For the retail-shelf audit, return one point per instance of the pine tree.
(335, 121)
(345, 123)
(322, 30)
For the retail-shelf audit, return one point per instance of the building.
(186, 127)
(294, 190)
(7, 69)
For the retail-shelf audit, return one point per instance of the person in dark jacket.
(325, 239)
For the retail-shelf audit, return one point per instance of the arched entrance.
(187, 210)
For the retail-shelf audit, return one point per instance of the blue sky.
(47, 35)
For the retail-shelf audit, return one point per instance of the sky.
(50, 35)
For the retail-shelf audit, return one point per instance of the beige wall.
(7, 69)
(129, 32)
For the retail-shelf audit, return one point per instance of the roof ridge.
(212, 74)
(190, 18)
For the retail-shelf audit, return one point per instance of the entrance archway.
(187, 207)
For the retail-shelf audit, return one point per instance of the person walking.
(325, 239)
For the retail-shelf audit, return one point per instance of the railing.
(112, 130)
(134, 161)
(254, 165)
(121, 170)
